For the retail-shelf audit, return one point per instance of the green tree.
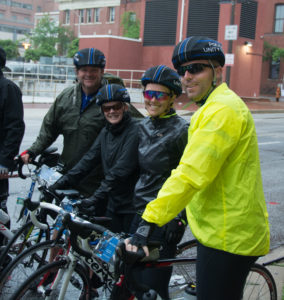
(65, 37)
(131, 25)
(73, 48)
(10, 47)
(272, 52)
(48, 39)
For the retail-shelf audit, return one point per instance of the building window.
(279, 18)
(97, 15)
(160, 23)
(274, 69)
(81, 14)
(67, 17)
(14, 17)
(27, 19)
(89, 15)
(1, 16)
(39, 9)
(111, 14)
(132, 17)
(203, 18)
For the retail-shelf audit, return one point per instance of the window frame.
(81, 16)
(89, 15)
(67, 16)
(111, 18)
(279, 19)
(97, 12)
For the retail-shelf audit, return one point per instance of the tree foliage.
(48, 39)
(131, 25)
(10, 47)
(272, 52)
(73, 48)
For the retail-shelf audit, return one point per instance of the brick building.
(166, 22)
(17, 17)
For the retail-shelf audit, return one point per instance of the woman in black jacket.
(162, 139)
(116, 149)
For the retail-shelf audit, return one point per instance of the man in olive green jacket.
(75, 115)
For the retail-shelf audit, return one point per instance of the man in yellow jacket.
(218, 179)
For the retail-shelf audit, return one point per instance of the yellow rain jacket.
(218, 180)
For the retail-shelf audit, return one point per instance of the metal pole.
(230, 46)
(181, 21)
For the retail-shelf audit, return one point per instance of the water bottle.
(4, 217)
(66, 204)
(190, 292)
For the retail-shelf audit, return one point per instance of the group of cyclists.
(148, 173)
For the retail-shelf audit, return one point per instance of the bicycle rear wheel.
(260, 284)
(39, 285)
(183, 274)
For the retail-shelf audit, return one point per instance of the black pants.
(156, 279)
(221, 275)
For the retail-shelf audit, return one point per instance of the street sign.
(229, 59)
(231, 32)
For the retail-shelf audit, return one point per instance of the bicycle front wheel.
(260, 284)
(39, 285)
(183, 274)
(23, 266)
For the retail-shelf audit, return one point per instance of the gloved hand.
(87, 206)
(141, 236)
(27, 155)
(175, 230)
(61, 184)
(3, 170)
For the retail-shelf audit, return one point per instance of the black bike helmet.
(2, 58)
(89, 57)
(197, 48)
(112, 92)
(163, 75)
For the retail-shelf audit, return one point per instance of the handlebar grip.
(20, 163)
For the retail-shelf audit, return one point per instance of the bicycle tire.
(183, 274)
(21, 240)
(78, 287)
(260, 284)
(22, 266)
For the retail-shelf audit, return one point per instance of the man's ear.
(218, 72)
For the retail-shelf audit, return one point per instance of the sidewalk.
(255, 106)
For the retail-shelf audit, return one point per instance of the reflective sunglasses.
(160, 96)
(193, 68)
(114, 107)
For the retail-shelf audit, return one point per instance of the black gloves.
(87, 206)
(175, 229)
(92, 206)
(142, 234)
(61, 184)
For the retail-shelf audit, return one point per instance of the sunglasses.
(114, 107)
(160, 96)
(193, 68)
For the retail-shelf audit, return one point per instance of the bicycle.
(27, 234)
(79, 257)
(35, 256)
